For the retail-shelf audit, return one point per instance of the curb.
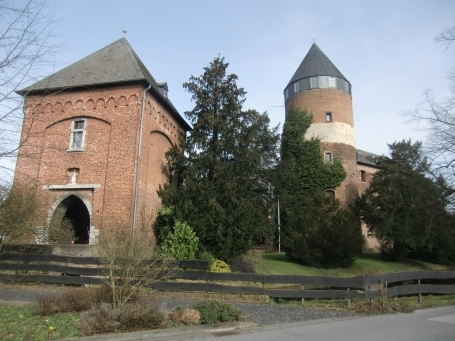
(165, 334)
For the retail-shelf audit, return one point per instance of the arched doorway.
(71, 219)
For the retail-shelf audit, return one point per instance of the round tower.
(321, 89)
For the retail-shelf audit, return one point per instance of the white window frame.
(332, 82)
(73, 130)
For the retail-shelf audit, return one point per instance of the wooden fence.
(88, 270)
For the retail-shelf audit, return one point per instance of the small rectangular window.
(332, 82)
(296, 87)
(330, 194)
(286, 93)
(363, 176)
(327, 156)
(77, 135)
(323, 82)
(328, 117)
(314, 82)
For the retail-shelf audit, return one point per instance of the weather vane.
(314, 38)
(124, 33)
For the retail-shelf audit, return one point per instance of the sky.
(386, 49)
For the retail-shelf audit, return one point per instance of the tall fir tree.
(224, 187)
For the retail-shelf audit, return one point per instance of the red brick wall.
(110, 153)
(320, 101)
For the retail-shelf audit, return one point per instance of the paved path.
(262, 314)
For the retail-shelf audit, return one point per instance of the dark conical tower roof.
(316, 63)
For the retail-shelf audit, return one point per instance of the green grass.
(21, 323)
(370, 263)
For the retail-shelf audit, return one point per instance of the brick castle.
(95, 136)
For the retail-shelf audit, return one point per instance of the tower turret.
(321, 89)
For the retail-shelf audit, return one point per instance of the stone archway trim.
(93, 234)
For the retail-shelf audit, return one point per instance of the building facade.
(94, 138)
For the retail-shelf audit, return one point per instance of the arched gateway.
(71, 215)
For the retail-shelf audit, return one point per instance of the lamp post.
(279, 230)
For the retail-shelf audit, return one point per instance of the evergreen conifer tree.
(407, 209)
(222, 185)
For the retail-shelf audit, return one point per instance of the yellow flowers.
(219, 266)
(21, 316)
(51, 328)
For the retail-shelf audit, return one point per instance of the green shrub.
(180, 241)
(321, 234)
(219, 266)
(213, 311)
(243, 263)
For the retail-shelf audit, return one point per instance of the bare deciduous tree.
(131, 262)
(19, 213)
(437, 118)
(27, 50)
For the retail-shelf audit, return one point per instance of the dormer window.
(77, 135)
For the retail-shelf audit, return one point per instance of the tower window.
(314, 82)
(296, 87)
(332, 82)
(77, 135)
(330, 193)
(363, 176)
(328, 157)
(286, 93)
(328, 117)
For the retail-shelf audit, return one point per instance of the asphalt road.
(424, 325)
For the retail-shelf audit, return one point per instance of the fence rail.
(89, 270)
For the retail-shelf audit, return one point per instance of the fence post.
(420, 295)
(349, 299)
(303, 288)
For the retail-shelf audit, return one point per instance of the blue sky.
(386, 49)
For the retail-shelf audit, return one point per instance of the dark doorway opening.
(73, 218)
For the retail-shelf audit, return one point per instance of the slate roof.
(113, 64)
(367, 157)
(315, 63)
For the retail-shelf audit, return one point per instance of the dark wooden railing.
(89, 270)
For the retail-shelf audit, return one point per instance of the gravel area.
(263, 314)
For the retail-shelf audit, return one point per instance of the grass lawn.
(369, 263)
(20, 323)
